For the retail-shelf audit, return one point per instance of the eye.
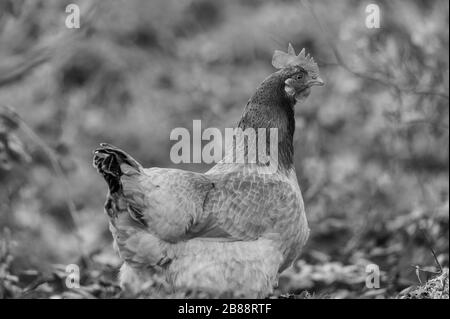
(299, 76)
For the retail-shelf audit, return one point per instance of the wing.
(247, 207)
(166, 201)
(251, 206)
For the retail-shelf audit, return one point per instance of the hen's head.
(299, 71)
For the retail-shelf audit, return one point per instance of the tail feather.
(108, 160)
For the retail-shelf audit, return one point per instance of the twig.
(430, 247)
(58, 170)
(46, 49)
(391, 85)
(41, 53)
(17, 72)
(425, 122)
(383, 81)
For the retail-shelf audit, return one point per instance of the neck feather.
(270, 107)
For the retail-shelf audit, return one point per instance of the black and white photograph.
(248, 151)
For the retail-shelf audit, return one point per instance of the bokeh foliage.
(371, 147)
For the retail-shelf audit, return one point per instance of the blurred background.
(371, 147)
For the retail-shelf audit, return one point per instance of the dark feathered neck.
(268, 108)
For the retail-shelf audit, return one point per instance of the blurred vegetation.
(372, 152)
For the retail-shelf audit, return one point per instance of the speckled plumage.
(235, 227)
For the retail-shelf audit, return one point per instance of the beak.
(317, 81)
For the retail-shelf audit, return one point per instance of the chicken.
(233, 228)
